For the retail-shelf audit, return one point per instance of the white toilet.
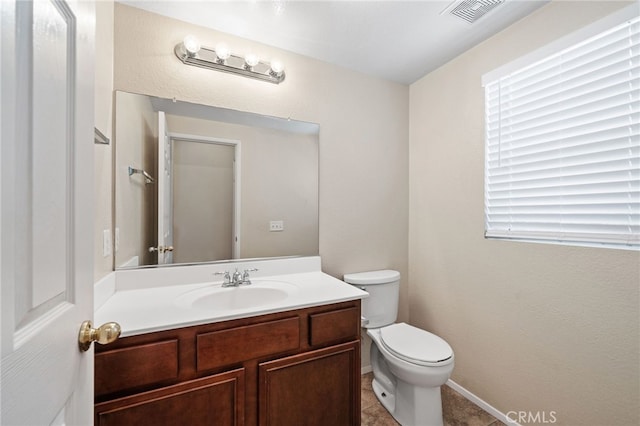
(409, 364)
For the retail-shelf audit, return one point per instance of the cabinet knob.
(106, 333)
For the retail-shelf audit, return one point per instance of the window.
(562, 160)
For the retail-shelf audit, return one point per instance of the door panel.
(49, 194)
(46, 211)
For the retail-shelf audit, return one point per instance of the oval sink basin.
(239, 298)
(260, 293)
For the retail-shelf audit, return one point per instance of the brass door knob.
(160, 249)
(104, 334)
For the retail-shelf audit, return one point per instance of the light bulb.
(222, 51)
(191, 45)
(277, 67)
(251, 60)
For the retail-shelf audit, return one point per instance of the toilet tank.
(381, 307)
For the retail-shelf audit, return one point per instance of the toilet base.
(411, 405)
(386, 397)
(417, 406)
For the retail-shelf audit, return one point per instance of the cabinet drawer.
(235, 345)
(136, 366)
(327, 327)
(214, 400)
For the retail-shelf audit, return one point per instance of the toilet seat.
(415, 345)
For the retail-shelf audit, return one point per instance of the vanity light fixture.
(190, 52)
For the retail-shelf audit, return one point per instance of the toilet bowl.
(409, 364)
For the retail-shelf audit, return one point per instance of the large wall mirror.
(196, 183)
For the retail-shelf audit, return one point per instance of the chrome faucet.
(246, 280)
(237, 278)
(227, 278)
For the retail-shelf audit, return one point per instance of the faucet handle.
(227, 277)
(245, 276)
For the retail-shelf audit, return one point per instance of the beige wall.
(136, 145)
(279, 179)
(363, 130)
(534, 327)
(103, 119)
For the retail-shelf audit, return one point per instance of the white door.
(165, 213)
(203, 175)
(46, 210)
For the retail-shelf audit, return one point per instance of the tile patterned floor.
(456, 409)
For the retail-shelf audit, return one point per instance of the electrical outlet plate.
(276, 226)
(106, 242)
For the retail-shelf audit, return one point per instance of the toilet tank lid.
(373, 277)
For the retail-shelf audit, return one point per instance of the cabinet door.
(214, 400)
(320, 388)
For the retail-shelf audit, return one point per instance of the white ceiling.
(395, 40)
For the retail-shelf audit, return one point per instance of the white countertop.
(150, 309)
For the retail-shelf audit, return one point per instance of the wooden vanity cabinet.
(288, 368)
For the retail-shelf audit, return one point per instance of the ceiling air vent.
(472, 10)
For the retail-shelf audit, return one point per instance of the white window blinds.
(563, 145)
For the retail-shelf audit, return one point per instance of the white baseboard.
(365, 369)
(481, 403)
